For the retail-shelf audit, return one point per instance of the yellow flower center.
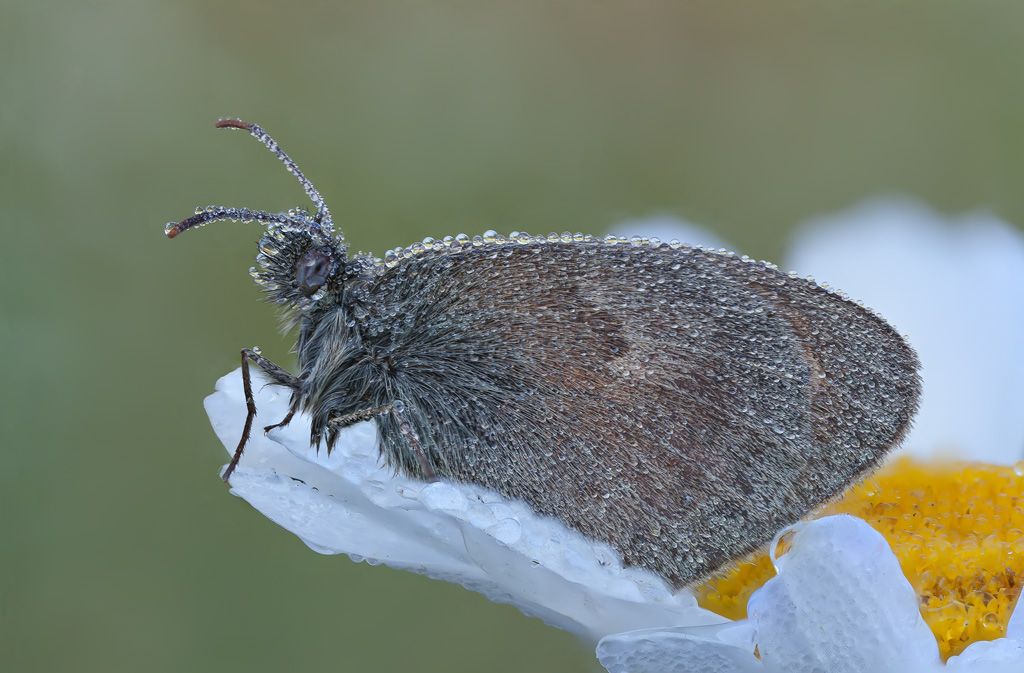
(956, 529)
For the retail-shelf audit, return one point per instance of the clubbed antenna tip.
(233, 124)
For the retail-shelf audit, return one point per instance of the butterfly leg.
(277, 375)
(287, 419)
(398, 409)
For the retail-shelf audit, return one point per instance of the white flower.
(955, 286)
(839, 602)
(349, 504)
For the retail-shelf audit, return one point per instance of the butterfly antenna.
(215, 213)
(323, 213)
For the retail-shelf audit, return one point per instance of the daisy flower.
(833, 595)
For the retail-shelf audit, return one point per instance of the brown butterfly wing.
(680, 404)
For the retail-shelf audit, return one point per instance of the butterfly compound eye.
(312, 271)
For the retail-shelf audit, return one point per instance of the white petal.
(349, 503)
(841, 603)
(707, 649)
(953, 285)
(1004, 655)
(1015, 627)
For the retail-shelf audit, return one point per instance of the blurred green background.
(122, 551)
